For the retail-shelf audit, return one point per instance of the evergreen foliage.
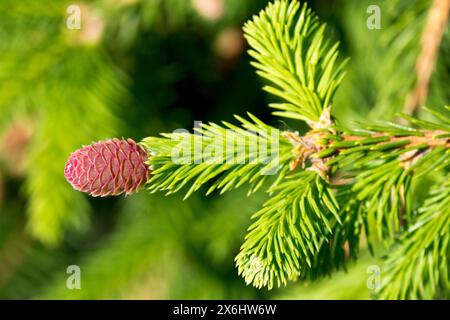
(417, 265)
(235, 155)
(379, 162)
(292, 53)
(349, 174)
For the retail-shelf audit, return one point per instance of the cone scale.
(108, 168)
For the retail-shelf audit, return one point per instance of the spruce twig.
(309, 227)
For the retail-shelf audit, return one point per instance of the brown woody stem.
(318, 147)
(430, 43)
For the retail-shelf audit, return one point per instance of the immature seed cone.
(108, 168)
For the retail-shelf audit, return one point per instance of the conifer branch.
(288, 231)
(417, 266)
(293, 55)
(380, 163)
(309, 223)
(230, 155)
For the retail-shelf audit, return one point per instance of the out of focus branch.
(430, 42)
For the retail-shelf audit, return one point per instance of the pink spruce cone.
(108, 168)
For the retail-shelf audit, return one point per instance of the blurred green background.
(137, 68)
